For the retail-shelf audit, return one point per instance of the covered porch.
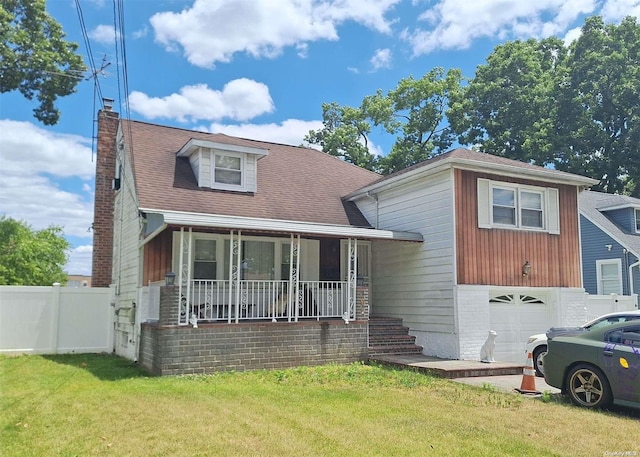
(228, 270)
(263, 278)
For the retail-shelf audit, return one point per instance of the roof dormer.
(223, 166)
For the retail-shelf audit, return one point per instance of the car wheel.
(538, 354)
(587, 386)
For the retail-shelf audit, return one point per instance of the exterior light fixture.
(170, 279)
(526, 269)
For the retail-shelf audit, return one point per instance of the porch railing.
(213, 300)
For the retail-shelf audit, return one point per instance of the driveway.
(506, 383)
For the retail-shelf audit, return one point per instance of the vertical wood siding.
(157, 258)
(496, 256)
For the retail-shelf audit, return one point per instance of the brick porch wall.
(250, 346)
(167, 349)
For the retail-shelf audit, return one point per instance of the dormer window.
(227, 169)
(223, 166)
(637, 213)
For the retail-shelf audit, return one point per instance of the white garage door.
(515, 317)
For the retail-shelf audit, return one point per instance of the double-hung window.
(227, 169)
(637, 213)
(507, 205)
(609, 275)
(204, 262)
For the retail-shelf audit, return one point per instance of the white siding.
(251, 173)
(205, 168)
(126, 263)
(415, 280)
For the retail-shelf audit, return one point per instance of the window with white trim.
(228, 169)
(609, 276)
(637, 213)
(507, 205)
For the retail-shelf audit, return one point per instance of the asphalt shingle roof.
(591, 203)
(294, 183)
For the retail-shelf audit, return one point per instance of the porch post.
(238, 276)
(184, 276)
(352, 280)
(294, 277)
(232, 272)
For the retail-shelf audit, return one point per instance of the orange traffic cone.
(528, 385)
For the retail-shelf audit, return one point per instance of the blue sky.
(251, 68)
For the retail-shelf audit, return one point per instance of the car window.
(628, 336)
(612, 320)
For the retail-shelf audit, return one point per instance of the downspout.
(375, 197)
(631, 267)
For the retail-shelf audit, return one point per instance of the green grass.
(94, 405)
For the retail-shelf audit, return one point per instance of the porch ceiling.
(247, 223)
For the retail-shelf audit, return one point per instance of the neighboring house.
(78, 281)
(610, 230)
(281, 253)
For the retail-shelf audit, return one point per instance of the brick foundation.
(169, 349)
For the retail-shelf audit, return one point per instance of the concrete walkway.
(501, 375)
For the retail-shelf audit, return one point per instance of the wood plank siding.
(157, 257)
(495, 256)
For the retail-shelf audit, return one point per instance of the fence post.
(55, 316)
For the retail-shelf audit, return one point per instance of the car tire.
(538, 354)
(588, 387)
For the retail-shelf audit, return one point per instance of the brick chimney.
(104, 197)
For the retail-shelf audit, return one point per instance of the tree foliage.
(414, 112)
(35, 58)
(31, 257)
(576, 109)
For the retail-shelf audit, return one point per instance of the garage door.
(515, 317)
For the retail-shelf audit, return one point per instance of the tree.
(35, 58)
(576, 109)
(599, 100)
(508, 108)
(31, 257)
(415, 111)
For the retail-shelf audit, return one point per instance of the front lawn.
(88, 405)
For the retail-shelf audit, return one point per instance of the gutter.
(274, 225)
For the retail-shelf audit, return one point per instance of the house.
(281, 254)
(271, 264)
(501, 252)
(610, 231)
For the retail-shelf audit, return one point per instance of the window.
(227, 169)
(637, 213)
(506, 205)
(609, 275)
(517, 207)
(204, 264)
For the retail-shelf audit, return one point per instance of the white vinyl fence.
(597, 305)
(50, 320)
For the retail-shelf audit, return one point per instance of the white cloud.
(38, 170)
(381, 59)
(143, 32)
(572, 35)
(615, 10)
(103, 34)
(455, 24)
(79, 262)
(290, 131)
(240, 99)
(213, 31)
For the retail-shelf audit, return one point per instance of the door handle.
(608, 353)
